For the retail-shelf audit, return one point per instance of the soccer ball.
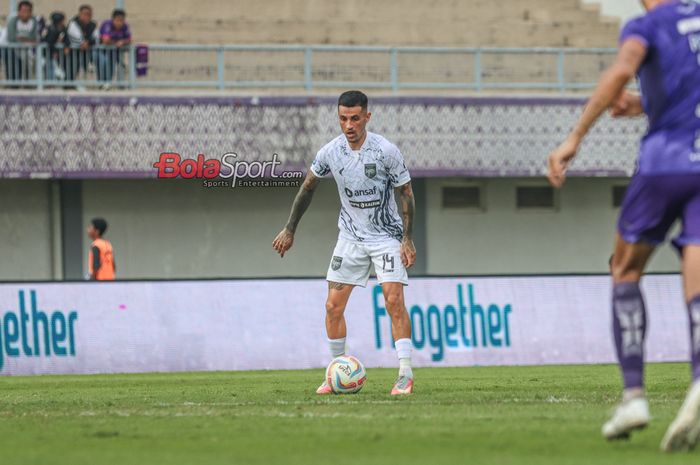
(345, 375)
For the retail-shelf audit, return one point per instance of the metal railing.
(307, 67)
(41, 66)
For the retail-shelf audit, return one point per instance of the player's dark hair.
(353, 98)
(24, 3)
(100, 224)
(118, 12)
(85, 7)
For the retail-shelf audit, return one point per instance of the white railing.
(305, 67)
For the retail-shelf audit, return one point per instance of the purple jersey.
(107, 30)
(670, 84)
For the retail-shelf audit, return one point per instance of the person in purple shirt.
(116, 34)
(663, 49)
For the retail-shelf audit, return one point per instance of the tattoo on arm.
(408, 208)
(302, 201)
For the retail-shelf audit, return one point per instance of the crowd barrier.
(303, 68)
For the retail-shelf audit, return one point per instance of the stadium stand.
(522, 23)
(473, 23)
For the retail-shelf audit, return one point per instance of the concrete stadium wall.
(577, 237)
(178, 229)
(25, 230)
(181, 230)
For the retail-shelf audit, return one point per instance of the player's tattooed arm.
(285, 239)
(408, 210)
(302, 201)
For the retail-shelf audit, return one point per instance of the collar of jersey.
(365, 144)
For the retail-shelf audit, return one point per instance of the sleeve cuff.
(315, 172)
(402, 182)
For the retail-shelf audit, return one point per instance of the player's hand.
(408, 253)
(283, 241)
(627, 105)
(559, 162)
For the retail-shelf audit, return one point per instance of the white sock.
(337, 347)
(403, 350)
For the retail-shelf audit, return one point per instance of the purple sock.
(694, 312)
(629, 328)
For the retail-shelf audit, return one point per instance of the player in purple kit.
(663, 49)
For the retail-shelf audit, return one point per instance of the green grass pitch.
(511, 415)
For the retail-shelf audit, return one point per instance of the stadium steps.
(523, 23)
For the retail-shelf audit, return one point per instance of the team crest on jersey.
(336, 262)
(370, 170)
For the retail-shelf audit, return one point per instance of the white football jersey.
(366, 179)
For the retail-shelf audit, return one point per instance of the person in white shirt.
(22, 29)
(81, 35)
(368, 169)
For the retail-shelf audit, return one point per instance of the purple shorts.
(653, 203)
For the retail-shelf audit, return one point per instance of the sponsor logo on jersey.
(360, 192)
(366, 204)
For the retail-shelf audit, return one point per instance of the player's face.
(353, 121)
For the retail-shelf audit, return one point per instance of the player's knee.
(334, 309)
(625, 271)
(394, 303)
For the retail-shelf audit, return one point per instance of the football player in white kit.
(367, 169)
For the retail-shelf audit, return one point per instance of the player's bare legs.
(338, 296)
(629, 328)
(401, 331)
(691, 272)
(396, 308)
(684, 432)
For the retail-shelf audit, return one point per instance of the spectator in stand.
(21, 29)
(54, 38)
(81, 36)
(113, 33)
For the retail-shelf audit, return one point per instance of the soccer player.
(367, 169)
(663, 48)
(101, 257)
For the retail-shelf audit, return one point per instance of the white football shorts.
(351, 262)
